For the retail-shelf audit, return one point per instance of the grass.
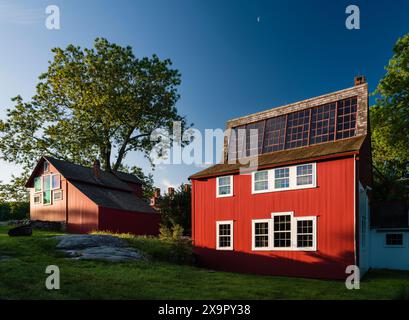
(23, 277)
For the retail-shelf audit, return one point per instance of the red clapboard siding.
(332, 201)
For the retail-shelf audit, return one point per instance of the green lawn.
(23, 277)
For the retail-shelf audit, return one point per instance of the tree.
(175, 209)
(92, 103)
(390, 123)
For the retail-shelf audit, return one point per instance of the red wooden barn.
(303, 209)
(89, 199)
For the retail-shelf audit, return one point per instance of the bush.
(14, 211)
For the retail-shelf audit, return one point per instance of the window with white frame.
(285, 232)
(304, 175)
(288, 178)
(261, 234)
(37, 198)
(55, 181)
(224, 186)
(260, 181)
(282, 178)
(224, 233)
(37, 184)
(57, 195)
(282, 231)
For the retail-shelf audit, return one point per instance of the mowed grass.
(23, 277)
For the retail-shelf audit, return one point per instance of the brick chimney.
(96, 168)
(154, 199)
(171, 191)
(359, 80)
(186, 187)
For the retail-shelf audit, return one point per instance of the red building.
(303, 209)
(89, 199)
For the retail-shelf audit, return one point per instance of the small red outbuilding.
(89, 199)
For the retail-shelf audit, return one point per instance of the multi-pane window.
(304, 175)
(282, 231)
(274, 134)
(394, 239)
(47, 189)
(225, 186)
(57, 195)
(281, 178)
(322, 123)
(346, 118)
(305, 233)
(224, 235)
(37, 198)
(329, 122)
(261, 234)
(297, 129)
(260, 180)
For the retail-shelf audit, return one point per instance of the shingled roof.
(109, 190)
(274, 159)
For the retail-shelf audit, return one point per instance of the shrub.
(14, 210)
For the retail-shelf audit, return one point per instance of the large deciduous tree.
(101, 103)
(390, 124)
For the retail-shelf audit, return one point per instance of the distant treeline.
(14, 210)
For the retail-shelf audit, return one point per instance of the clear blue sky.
(231, 63)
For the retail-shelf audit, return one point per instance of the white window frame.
(225, 222)
(253, 235)
(217, 187)
(293, 231)
(395, 245)
(292, 179)
(253, 182)
(40, 195)
(41, 183)
(57, 191)
(51, 181)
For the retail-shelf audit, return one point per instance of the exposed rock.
(76, 242)
(109, 253)
(48, 225)
(20, 231)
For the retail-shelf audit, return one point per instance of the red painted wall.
(332, 202)
(120, 221)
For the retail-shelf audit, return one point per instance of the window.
(37, 184)
(46, 166)
(282, 231)
(394, 239)
(47, 189)
(37, 198)
(281, 178)
(224, 240)
(260, 181)
(305, 175)
(305, 233)
(224, 186)
(57, 195)
(285, 232)
(261, 230)
(55, 181)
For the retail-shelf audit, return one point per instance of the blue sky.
(236, 57)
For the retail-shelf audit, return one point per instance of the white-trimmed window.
(224, 235)
(260, 181)
(282, 178)
(224, 186)
(285, 232)
(305, 175)
(261, 234)
(57, 195)
(287, 178)
(55, 181)
(46, 166)
(47, 189)
(37, 198)
(394, 239)
(37, 184)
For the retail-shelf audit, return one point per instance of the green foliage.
(15, 190)
(176, 209)
(173, 233)
(390, 126)
(14, 210)
(101, 103)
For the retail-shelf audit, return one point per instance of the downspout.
(355, 233)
